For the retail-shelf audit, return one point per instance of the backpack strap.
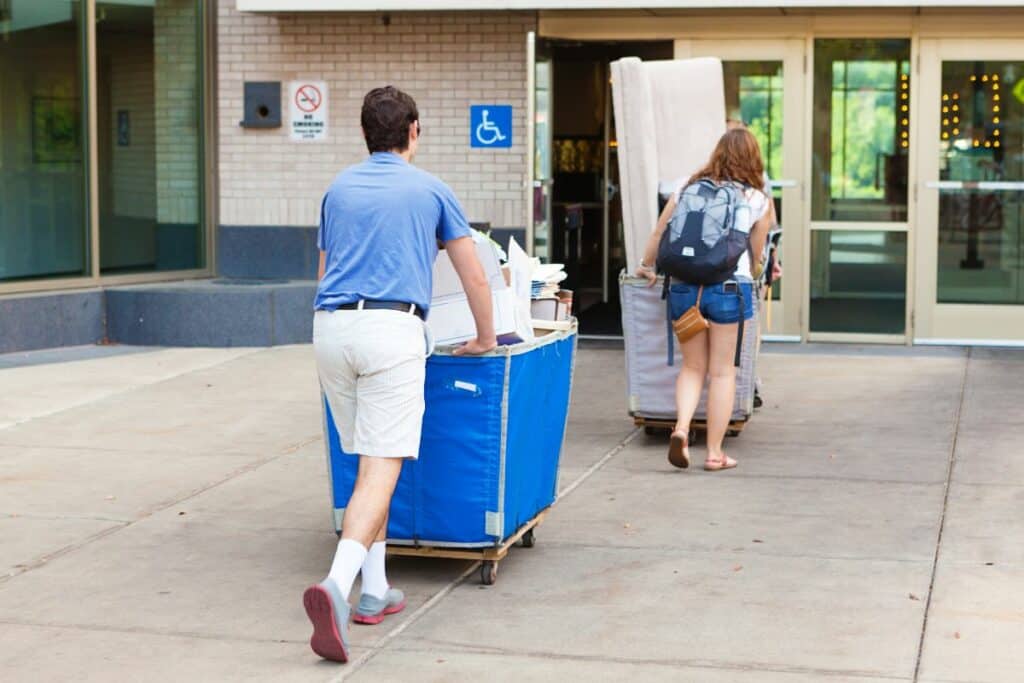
(739, 328)
(671, 332)
(668, 319)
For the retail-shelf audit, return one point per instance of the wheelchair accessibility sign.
(490, 125)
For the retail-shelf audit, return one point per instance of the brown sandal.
(677, 447)
(723, 463)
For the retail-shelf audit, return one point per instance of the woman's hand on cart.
(647, 272)
(476, 347)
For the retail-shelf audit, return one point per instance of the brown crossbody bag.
(691, 322)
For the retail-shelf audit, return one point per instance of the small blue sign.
(490, 125)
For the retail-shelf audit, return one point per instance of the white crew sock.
(375, 580)
(347, 561)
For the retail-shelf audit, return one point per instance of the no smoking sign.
(308, 103)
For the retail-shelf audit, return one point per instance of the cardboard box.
(451, 320)
(550, 308)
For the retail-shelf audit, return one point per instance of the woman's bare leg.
(722, 392)
(690, 381)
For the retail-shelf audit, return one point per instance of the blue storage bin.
(492, 440)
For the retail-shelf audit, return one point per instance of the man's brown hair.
(387, 114)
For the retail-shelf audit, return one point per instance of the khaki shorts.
(372, 365)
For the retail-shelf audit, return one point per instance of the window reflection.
(753, 94)
(148, 137)
(858, 281)
(542, 159)
(861, 130)
(42, 142)
(981, 227)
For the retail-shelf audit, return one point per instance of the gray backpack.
(701, 244)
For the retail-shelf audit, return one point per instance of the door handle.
(991, 185)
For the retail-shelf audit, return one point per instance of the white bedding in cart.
(669, 116)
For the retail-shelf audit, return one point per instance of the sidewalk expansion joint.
(824, 478)
(102, 628)
(108, 449)
(757, 551)
(43, 560)
(361, 661)
(673, 663)
(942, 515)
(599, 464)
(75, 518)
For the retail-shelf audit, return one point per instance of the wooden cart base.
(654, 424)
(488, 557)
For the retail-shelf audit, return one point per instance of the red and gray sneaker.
(329, 612)
(372, 610)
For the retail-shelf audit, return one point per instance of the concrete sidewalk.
(161, 511)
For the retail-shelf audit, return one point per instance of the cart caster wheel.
(733, 432)
(488, 572)
(651, 431)
(528, 539)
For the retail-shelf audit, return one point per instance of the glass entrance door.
(764, 89)
(860, 145)
(971, 244)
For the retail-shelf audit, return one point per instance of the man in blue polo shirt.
(380, 225)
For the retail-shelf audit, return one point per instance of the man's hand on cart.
(647, 272)
(476, 347)
(462, 252)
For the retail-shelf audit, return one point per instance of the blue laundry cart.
(488, 463)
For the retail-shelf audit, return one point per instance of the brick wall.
(446, 61)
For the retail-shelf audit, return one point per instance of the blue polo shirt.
(380, 222)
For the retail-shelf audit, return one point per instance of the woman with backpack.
(709, 243)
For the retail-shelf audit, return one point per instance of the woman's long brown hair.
(737, 158)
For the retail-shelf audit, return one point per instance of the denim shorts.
(719, 303)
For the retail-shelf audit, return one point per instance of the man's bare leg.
(326, 603)
(366, 513)
(367, 510)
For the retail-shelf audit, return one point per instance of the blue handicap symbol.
(490, 125)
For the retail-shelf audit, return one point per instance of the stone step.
(218, 312)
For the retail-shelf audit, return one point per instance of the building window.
(148, 139)
(981, 210)
(43, 221)
(148, 113)
(862, 130)
(753, 95)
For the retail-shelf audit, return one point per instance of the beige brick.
(446, 60)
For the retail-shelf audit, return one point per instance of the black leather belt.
(368, 305)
